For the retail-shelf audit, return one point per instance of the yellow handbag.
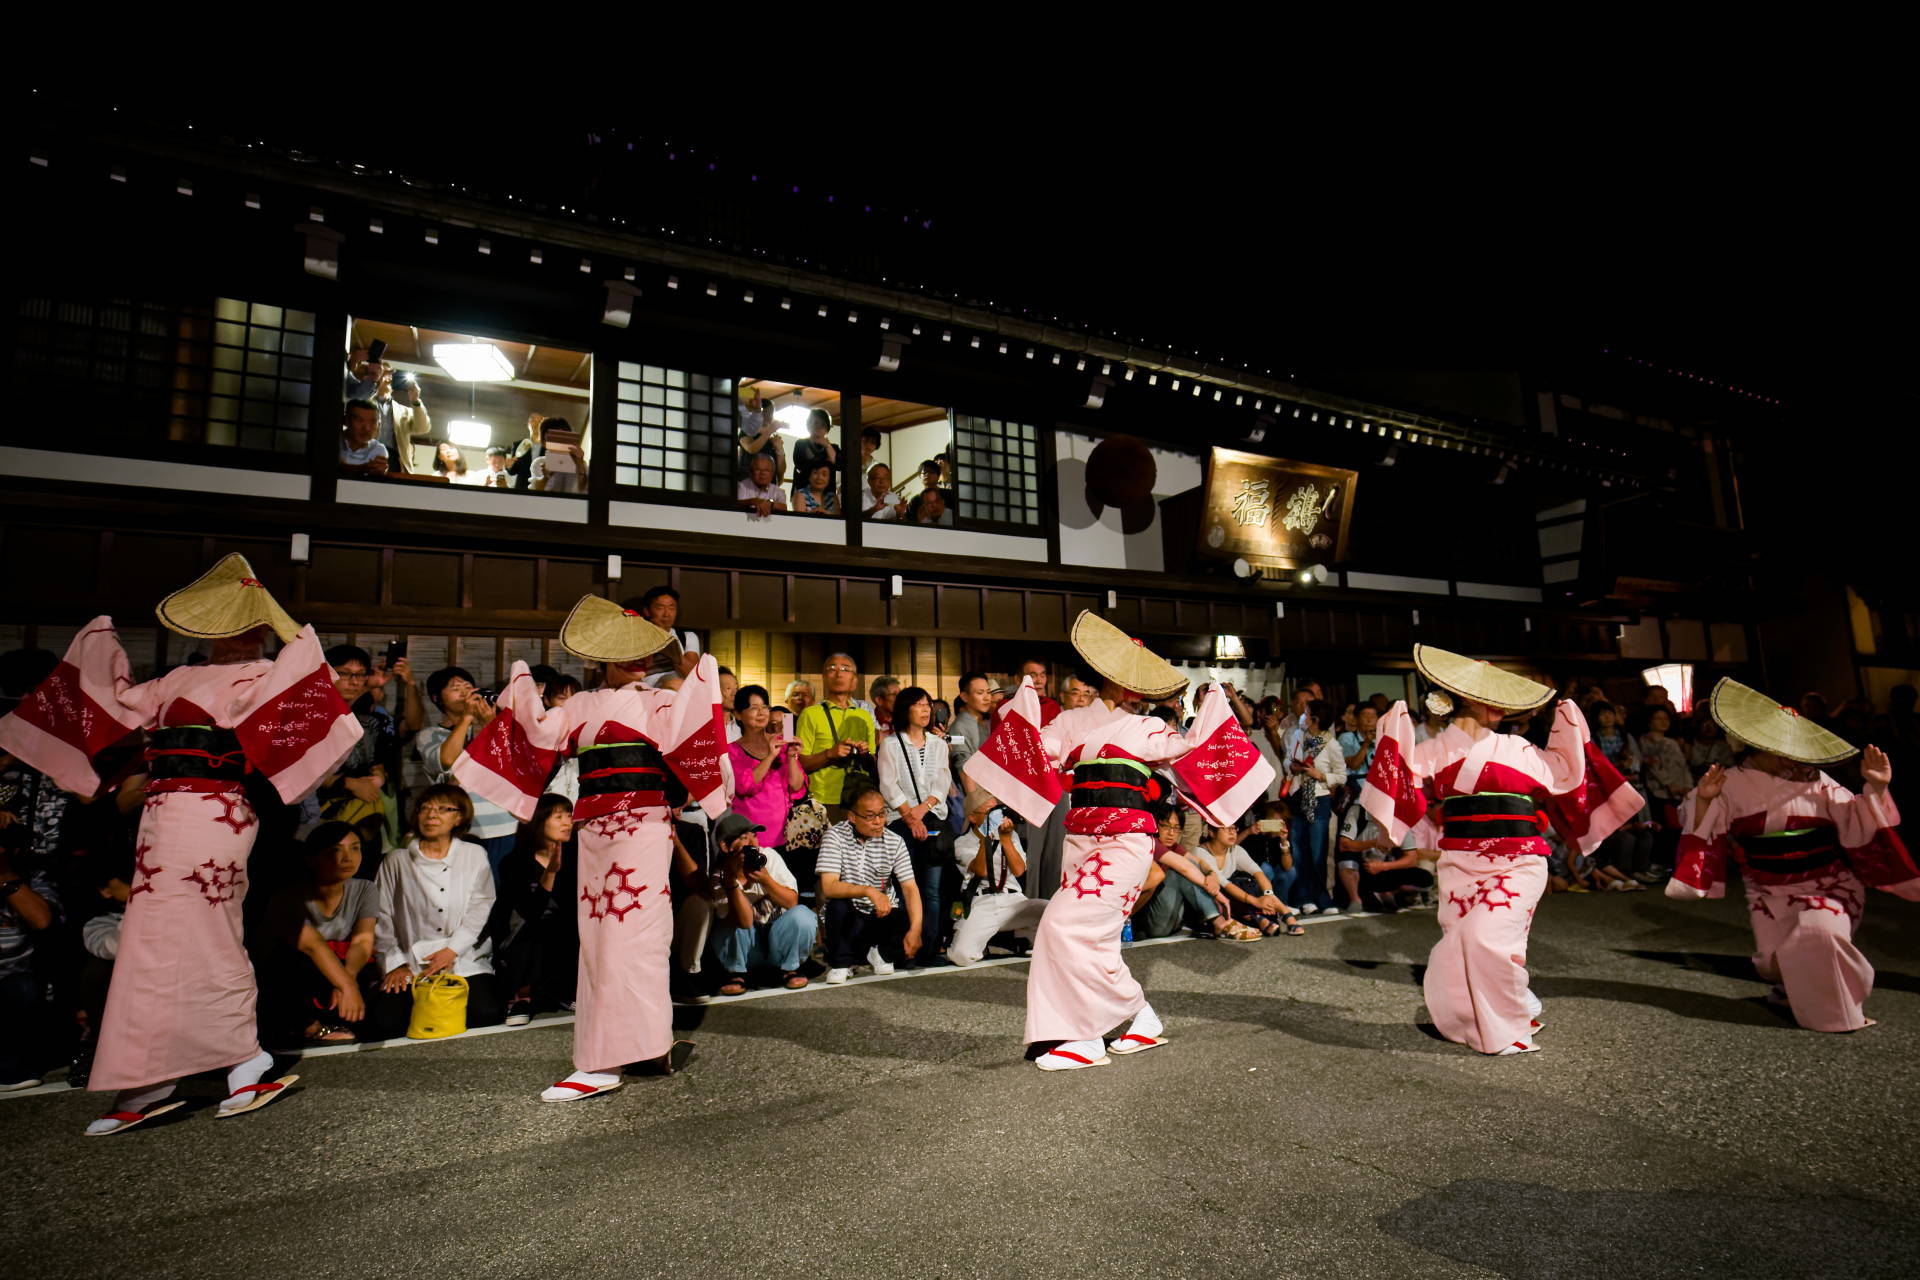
(439, 1007)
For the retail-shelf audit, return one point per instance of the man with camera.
(837, 738)
(760, 922)
(403, 416)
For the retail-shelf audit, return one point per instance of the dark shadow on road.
(1523, 1229)
(1688, 1004)
(1388, 970)
(1701, 961)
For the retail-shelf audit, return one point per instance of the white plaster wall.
(1100, 541)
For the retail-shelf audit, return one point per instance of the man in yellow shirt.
(837, 737)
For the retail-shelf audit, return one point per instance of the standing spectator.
(435, 898)
(403, 416)
(1037, 670)
(464, 712)
(1376, 875)
(729, 687)
(762, 924)
(837, 738)
(1667, 780)
(972, 719)
(929, 483)
(562, 464)
(760, 435)
(661, 606)
(817, 450)
(357, 789)
(880, 694)
(29, 906)
(866, 881)
(991, 863)
(799, 696)
(1081, 694)
(362, 378)
(819, 498)
(1318, 771)
(914, 780)
(1615, 743)
(536, 938)
(882, 501)
(869, 445)
(323, 932)
(1357, 747)
(767, 775)
(361, 452)
(758, 494)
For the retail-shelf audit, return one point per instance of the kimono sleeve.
(1587, 798)
(1220, 772)
(1700, 859)
(691, 739)
(293, 725)
(77, 712)
(509, 761)
(1865, 824)
(1394, 792)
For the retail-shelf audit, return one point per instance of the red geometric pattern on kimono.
(603, 903)
(1572, 813)
(1834, 895)
(1759, 907)
(218, 884)
(1090, 870)
(1388, 774)
(1701, 864)
(283, 729)
(1492, 891)
(142, 873)
(1098, 820)
(1127, 900)
(614, 823)
(60, 707)
(234, 812)
(1211, 769)
(503, 747)
(1883, 860)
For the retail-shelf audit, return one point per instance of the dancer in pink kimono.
(627, 738)
(1078, 987)
(1497, 794)
(1807, 849)
(182, 996)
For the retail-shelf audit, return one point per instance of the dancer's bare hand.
(1875, 769)
(1713, 781)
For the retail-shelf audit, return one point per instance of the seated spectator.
(1185, 893)
(111, 876)
(760, 435)
(767, 775)
(536, 939)
(323, 938)
(361, 452)
(496, 475)
(758, 494)
(816, 450)
(935, 508)
(761, 922)
(799, 696)
(819, 498)
(451, 465)
(464, 712)
(29, 906)
(435, 896)
(1377, 875)
(915, 778)
(357, 789)
(1269, 845)
(1241, 881)
(866, 882)
(559, 464)
(1663, 769)
(555, 688)
(991, 863)
(881, 500)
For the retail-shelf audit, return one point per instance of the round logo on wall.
(1217, 535)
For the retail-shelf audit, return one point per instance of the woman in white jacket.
(914, 781)
(1316, 771)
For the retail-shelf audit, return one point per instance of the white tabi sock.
(244, 1074)
(132, 1100)
(592, 1079)
(1146, 1023)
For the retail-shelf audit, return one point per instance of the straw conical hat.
(1122, 659)
(601, 631)
(1759, 721)
(226, 600)
(1478, 681)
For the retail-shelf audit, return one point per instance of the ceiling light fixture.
(472, 361)
(470, 433)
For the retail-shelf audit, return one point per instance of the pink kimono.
(1500, 794)
(1807, 850)
(182, 996)
(626, 740)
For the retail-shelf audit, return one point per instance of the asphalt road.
(1301, 1123)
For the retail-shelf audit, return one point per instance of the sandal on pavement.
(735, 985)
(1066, 1060)
(793, 981)
(127, 1119)
(263, 1093)
(574, 1090)
(1133, 1043)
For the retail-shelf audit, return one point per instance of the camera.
(753, 860)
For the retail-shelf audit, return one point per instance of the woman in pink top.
(1498, 794)
(182, 996)
(1807, 849)
(767, 777)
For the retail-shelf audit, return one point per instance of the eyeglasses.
(439, 808)
(348, 673)
(869, 817)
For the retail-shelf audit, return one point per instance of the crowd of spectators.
(853, 841)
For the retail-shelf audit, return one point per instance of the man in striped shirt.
(866, 881)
